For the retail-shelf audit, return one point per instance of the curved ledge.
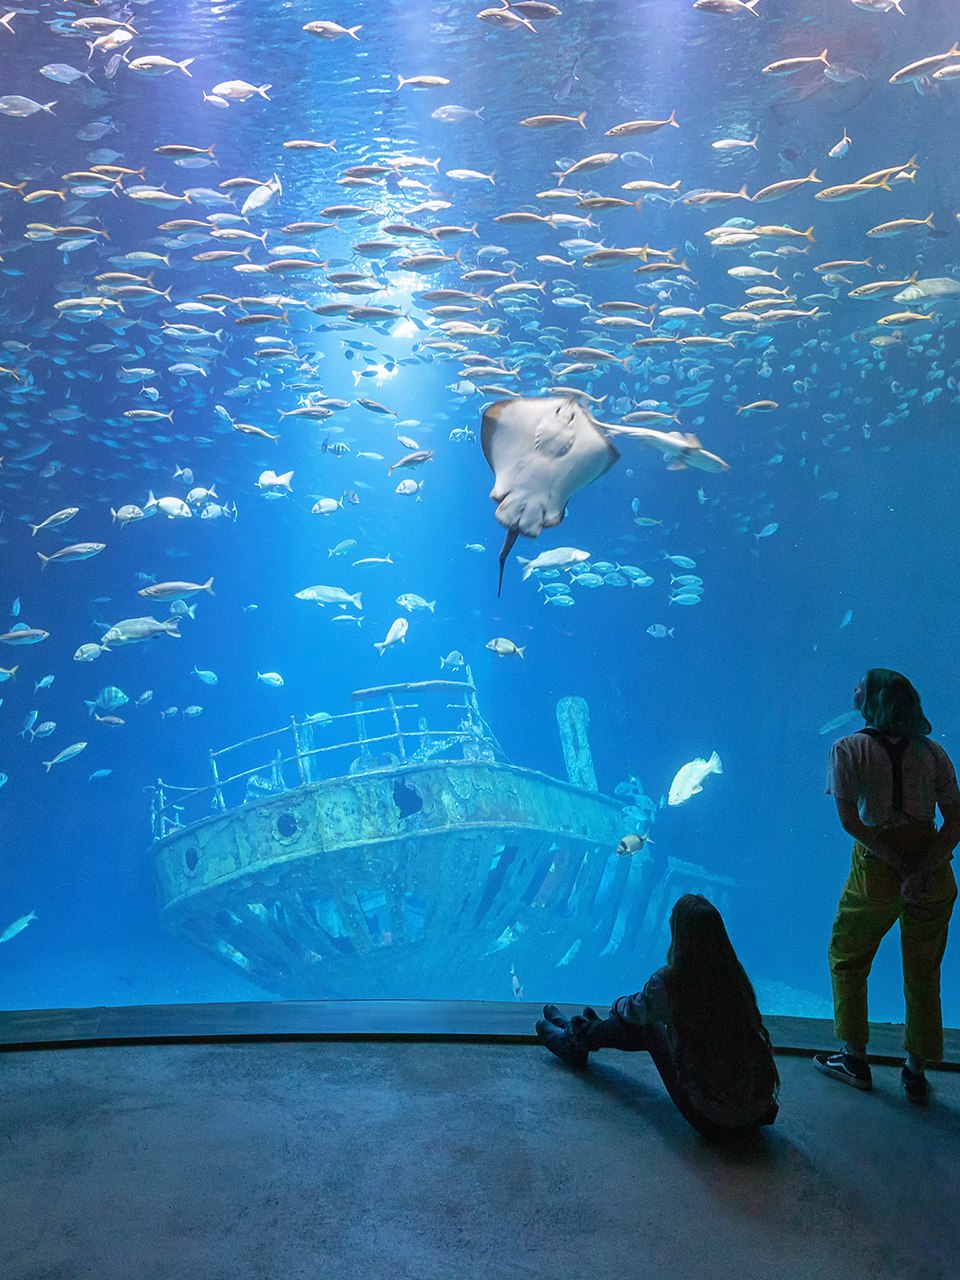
(467, 1021)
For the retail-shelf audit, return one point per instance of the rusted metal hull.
(425, 881)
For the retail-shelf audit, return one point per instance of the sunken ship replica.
(394, 852)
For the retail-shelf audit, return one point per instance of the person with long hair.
(698, 1019)
(888, 780)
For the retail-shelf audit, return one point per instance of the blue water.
(855, 467)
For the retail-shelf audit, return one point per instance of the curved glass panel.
(284, 292)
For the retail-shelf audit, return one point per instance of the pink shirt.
(860, 770)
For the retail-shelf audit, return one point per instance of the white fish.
(331, 30)
(838, 721)
(454, 114)
(396, 634)
(237, 91)
(840, 148)
(729, 8)
(326, 506)
(137, 630)
(79, 551)
(172, 508)
(687, 781)
(18, 926)
(412, 603)
(66, 754)
(683, 449)
(261, 196)
(322, 595)
(89, 652)
(63, 73)
(272, 678)
(515, 983)
(934, 287)
(270, 480)
(15, 105)
(558, 558)
(58, 518)
(157, 65)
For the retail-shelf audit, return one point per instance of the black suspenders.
(895, 751)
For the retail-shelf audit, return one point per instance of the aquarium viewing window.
(456, 466)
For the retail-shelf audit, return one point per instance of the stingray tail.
(509, 540)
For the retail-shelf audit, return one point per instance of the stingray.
(542, 451)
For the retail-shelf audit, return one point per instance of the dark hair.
(892, 705)
(715, 1013)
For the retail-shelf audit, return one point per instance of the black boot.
(563, 1041)
(553, 1014)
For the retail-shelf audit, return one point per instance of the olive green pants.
(869, 906)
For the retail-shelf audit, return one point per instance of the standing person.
(698, 1019)
(888, 780)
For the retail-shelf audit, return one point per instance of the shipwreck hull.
(429, 867)
(420, 881)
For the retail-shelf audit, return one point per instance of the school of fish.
(178, 347)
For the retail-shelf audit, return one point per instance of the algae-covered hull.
(415, 878)
(425, 880)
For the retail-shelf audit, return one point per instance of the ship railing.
(291, 756)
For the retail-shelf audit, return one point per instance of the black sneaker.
(916, 1087)
(845, 1067)
(553, 1014)
(559, 1041)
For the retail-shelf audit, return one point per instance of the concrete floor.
(441, 1161)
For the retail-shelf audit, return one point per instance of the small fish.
(514, 982)
(842, 147)
(18, 926)
(682, 562)
(632, 844)
(396, 635)
(66, 754)
(271, 678)
(688, 778)
(414, 603)
(342, 547)
(504, 648)
(839, 721)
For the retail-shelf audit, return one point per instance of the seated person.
(698, 1019)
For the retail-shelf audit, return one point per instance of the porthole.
(191, 860)
(286, 827)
